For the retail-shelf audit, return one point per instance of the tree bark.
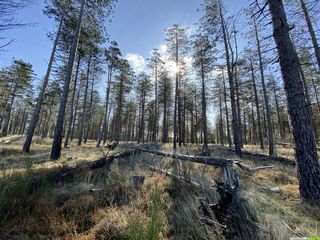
(84, 112)
(256, 100)
(306, 153)
(66, 140)
(36, 114)
(204, 110)
(311, 31)
(235, 123)
(265, 94)
(221, 121)
(104, 129)
(227, 112)
(57, 140)
(282, 135)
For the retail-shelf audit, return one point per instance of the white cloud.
(163, 48)
(188, 60)
(171, 67)
(137, 62)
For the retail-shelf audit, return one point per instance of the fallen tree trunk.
(260, 156)
(252, 170)
(108, 160)
(218, 162)
(67, 173)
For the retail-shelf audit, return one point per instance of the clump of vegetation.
(150, 230)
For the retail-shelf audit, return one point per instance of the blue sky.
(138, 26)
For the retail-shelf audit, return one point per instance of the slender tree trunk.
(91, 111)
(221, 121)
(308, 100)
(8, 108)
(311, 31)
(104, 129)
(176, 98)
(254, 128)
(257, 107)
(192, 123)
(235, 123)
(156, 121)
(197, 119)
(84, 110)
(57, 140)
(75, 111)
(227, 112)
(238, 106)
(315, 85)
(16, 122)
(179, 114)
(265, 94)
(184, 120)
(36, 114)
(306, 153)
(164, 123)
(237, 86)
(119, 112)
(66, 140)
(245, 126)
(282, 134)
(204, 111)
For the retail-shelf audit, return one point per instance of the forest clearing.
(104, 204)
(132, 120)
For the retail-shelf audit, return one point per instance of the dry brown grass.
(70, 211)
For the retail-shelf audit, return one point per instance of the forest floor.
(104, 204)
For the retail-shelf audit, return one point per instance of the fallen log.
(252, 170)
(109, 159)
(170, 174)
(67, 173)
(197, 159)
(264, 157)
(260, 156)
(218, 162)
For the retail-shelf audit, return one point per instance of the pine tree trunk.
(119, 112)
(311, 31)
(308, 100)
(175, 130)
(254, 128)
(104, 128)
(75, 112)
(155, 121)
(306, 153)
(66, 140)
(57, 140)
(265, 94)
(8, 108)
(192, 123)
(227, 112)
(238, 106)
(84, 110)
(91, 111)
(221, 121)
(235, 123)
(36, 114)
(282, 134)
(256, 100)
(204, 111)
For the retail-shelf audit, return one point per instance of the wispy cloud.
(137, 62)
